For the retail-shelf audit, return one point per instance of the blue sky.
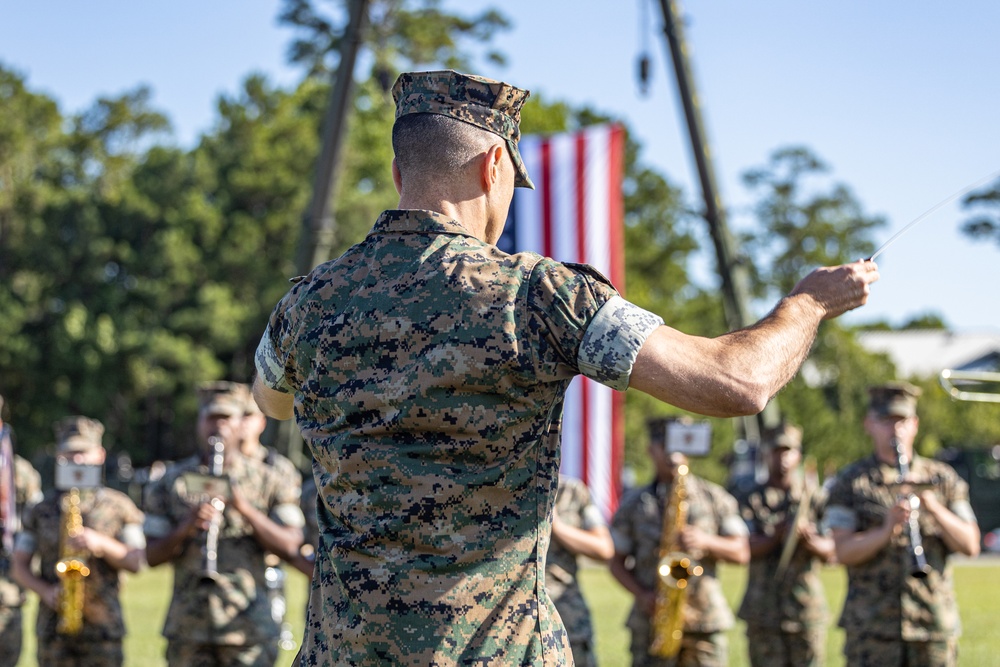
(899, 99)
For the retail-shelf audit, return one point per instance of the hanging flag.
(575, 214)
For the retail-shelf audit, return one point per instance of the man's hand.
(838, 289)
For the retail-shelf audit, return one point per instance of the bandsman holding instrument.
(20, 488)
(215, 516)
(84, 535)
(784, 606)
(895, 519)
(669, 537)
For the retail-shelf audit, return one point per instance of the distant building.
(924, 353)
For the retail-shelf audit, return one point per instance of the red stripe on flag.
(616, 220)
(547, 221)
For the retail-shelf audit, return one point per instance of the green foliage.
(984, 225)
(800, 228)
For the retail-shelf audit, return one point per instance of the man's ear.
(491, 166)
(397, 178)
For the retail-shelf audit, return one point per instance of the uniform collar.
(417, 221)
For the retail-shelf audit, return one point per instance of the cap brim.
(521, 178)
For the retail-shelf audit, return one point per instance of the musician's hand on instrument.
(89, 540)
(930, 501)
(646, 601)
(694, 541)
(50, 597)
(896, 517)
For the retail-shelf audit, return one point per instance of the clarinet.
(919, 567)
(210, 553)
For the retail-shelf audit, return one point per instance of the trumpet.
(210, 550)
(951, 380)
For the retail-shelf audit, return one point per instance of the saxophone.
(673, 572)
(71, 569)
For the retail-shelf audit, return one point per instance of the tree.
(985, 225)
(800, 226)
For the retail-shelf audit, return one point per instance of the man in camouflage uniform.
(784, 606)
(578, 529)
(890, 616)
(20, 488)
(221, 618)
(111, 541)
(714, 532)
(426, 370)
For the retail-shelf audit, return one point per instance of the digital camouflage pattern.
(106, 511)
(636, 529)
(795, 601)
(27, 491)
(875, 652)
(491, 105)
(234, 608)
(883, 600)
(575, 507)
(428, 370)
(774, 648)
(290, 491)
(786, 617)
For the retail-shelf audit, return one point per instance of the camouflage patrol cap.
(894, 399)
(222, 398)
(78, 434)
(784, 436)
(494, 106)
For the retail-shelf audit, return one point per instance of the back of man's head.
(435, 150)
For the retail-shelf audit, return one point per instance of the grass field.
(977, 582)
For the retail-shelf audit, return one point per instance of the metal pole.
(318, 224)
(732, 271)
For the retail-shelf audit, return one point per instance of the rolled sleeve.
(270, 368)
(838, 517)
(613, 340)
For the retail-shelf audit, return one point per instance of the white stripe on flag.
(572, 216)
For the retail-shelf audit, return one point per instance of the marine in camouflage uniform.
(891, 617)
(226, 618)
(113, 542)
(426, 370)
(578, 529)
(26, 489)
(784, 605)
(714, 532)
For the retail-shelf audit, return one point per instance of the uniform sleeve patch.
(613, 340)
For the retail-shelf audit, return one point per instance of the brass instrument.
(919, 567)
(674, 570)
(951, 380)
(210, 550)
(72, 568)
(809, 484)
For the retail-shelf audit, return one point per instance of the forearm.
(119, 555)
(732, 375)
(624, 576)
(958, 534)
(728, 548)
(272, 536)
(855, 548)
(594, 543)
(167, 548)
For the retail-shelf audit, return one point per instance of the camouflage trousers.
(187, 654)
(876, 652)
(583, 653)
(69, 652)
(774, 648)
(698, 649)
(10, 636)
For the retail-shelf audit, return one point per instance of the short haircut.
(432, 145)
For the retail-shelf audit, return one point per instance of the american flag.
(575, 214)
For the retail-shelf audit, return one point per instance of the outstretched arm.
(738, 373)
